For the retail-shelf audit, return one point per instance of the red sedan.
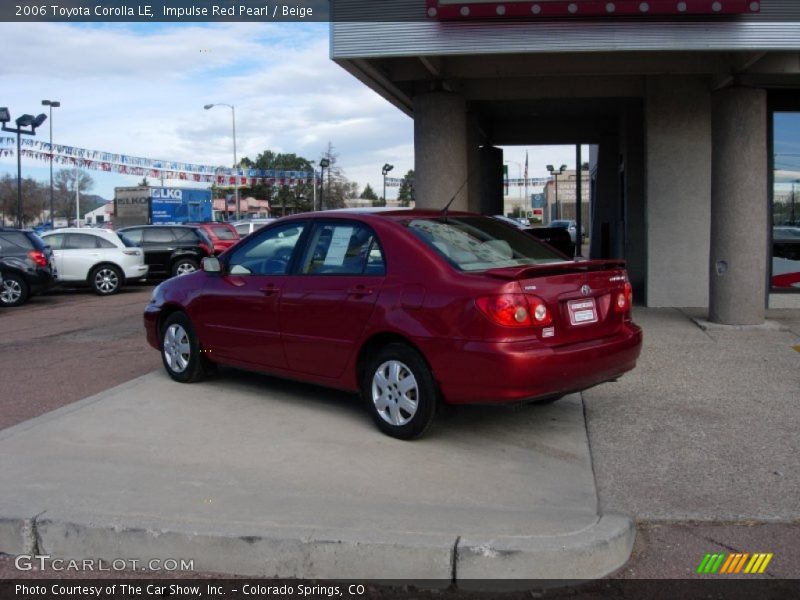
(409, 307)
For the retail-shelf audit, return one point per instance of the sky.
(139, 89)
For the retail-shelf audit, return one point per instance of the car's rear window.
(223, 232)
(480, 243)
(21, 239)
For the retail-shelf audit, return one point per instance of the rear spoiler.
(575, 266)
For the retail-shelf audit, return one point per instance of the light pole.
(323, 164)
(236, 176)
(52, 104)
(791, 214)
(23, 121)
(384, 170)
(555, 175)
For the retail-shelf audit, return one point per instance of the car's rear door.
(78, 255)
(325, 307)
(159, 244)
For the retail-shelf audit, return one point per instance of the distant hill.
(89, 202)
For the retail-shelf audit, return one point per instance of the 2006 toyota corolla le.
(408, 307)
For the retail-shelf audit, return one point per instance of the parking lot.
(698, 444)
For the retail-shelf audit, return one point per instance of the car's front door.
(325, 308)
(238, 318)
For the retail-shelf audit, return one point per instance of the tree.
(369, 194)
(65, 182)
(337, 187)
(406, 194)
(34, 199)
(283, 199)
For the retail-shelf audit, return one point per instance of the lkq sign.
(534, 9)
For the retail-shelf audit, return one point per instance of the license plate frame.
(582, 312)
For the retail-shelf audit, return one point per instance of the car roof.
(89, 230)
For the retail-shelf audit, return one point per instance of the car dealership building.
(691, 108)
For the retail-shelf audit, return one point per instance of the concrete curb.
(590, 553)
(314, 554)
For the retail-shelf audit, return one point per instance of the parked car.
(222, 235)
(786, 257)
(101, 259)
(170, 249)
(567, 224)
(26, 266)
(409, 307)
(557, 237)
(248, 226)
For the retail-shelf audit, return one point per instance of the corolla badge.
(586, 290)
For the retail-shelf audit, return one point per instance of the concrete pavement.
(250, 475)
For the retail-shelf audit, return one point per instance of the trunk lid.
(579, 295)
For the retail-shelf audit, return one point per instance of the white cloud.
(140, 90)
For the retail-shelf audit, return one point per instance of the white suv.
(98, 257)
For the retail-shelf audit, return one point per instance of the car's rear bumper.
(510, 372)
(136, 272)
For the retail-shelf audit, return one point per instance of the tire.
(14, 290)
(180, 350)
(106, 280)
(400, 392)
(184, 266)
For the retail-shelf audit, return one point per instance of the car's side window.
(268, 253)
(343, 248)
(55, 241)
(104, 243)
(80, 241)
(134, 235)
(158, 235)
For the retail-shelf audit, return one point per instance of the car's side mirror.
(211, 264)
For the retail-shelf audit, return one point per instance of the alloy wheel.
(395, 392)
(177, 350)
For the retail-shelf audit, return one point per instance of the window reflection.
(786, 202)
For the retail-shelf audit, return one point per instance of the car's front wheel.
(400, 391)
(106, 280)
(13, 290)
(180, 350)
(184, 266)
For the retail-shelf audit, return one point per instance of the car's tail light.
(509, 310)
(515, 310)
(541, 314)
(38, 257)
(624, 299)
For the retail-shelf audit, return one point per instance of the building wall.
(678, 176)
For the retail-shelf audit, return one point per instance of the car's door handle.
(359, 290)
(269, 290)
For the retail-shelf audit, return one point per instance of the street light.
(23, 121)
(323, 164)
(236, 177)
(791, 215)
(555, 175)
(386, 168)
(52, 104)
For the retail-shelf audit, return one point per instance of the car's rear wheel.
(400, 391)
(184, 266)
(106, 280)
(13, 290)
(180, 350)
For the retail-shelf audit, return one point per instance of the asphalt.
(250, 475)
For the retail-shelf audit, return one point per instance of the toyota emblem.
(586, 290)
